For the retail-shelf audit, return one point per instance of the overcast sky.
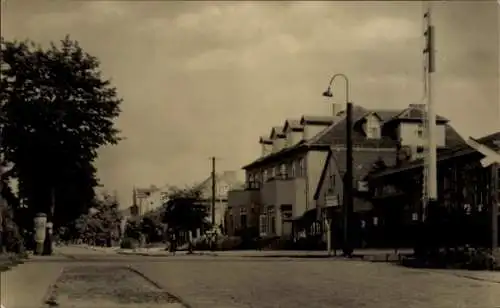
(205, 78)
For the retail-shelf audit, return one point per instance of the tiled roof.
(317, 119)
(363, 161)
(335, 133)
(414, 113)
(274, 155)
(457, 150)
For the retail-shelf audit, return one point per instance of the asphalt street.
(79, 277)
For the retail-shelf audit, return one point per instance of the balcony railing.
(253, 185)
(279, 176)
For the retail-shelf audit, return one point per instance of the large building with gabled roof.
(286, 181)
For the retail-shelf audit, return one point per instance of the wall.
(279, 143)
(154, 201)
(315, 162)
(362, 164)
(293, 137)
(266, 149)
(408, 134)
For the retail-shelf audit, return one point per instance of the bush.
(456, 258)
(129, 243)
(229, 243)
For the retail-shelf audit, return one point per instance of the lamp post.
(347, 204)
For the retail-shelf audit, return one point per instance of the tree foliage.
(185, 210)
(102, 221)
(56, 111)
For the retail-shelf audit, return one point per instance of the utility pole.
(213, 190)
(431, 162)
(348, 191)
(495, 203)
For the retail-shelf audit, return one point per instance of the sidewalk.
(490, 276)
(9, 260)
(26, 285)
(365, 254)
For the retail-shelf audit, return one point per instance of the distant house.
(302, 164)
(150, 199)
(224, 182)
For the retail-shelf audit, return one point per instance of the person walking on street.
(173, 242)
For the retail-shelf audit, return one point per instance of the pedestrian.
(173, 242)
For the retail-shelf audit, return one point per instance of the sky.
(202, 79)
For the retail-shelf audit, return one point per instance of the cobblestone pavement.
(316, 283)
(96, 279)
(106, 286)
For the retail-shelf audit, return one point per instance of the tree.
(57, 111)
(185, 211)
(101, 223)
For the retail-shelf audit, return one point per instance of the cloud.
(203, 79)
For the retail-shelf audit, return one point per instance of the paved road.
(86, 278)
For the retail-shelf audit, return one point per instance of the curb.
(12, 262)
(146, 254)
(156, 284)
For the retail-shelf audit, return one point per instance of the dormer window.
(372, 126)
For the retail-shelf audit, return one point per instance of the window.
(262, 224)
(331, 183)
(498, 178)
(420, 131)
(243, 220)
(292, 170)
(420, 149)
(257, 177)
(302, 168)
(264, 175)
(273, 224)
(283, 171)
(271, 220)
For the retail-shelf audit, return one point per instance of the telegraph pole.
(213, 190)
(431, 174)
(495, 203)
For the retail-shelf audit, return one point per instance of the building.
(466, 195)
(150, 199)
(224, 182)
(302, 163)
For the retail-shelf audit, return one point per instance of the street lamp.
(347, 204)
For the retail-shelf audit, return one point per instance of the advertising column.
(40, 223)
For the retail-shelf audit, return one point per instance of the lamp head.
(328, 93)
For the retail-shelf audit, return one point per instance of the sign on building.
(332, 200)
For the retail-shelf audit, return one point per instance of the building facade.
(302, 164)
(467, 193)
